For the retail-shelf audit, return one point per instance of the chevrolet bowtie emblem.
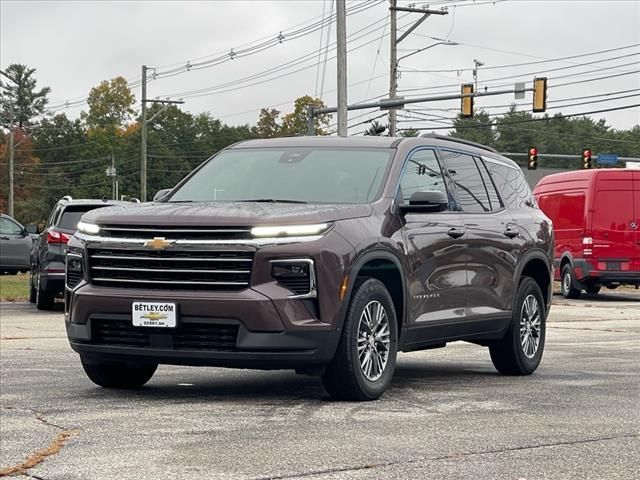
(158, 243)
(154, 316)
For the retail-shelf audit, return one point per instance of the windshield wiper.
(272, 200)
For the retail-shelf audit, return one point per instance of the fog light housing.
(297, 275)
(74, 270)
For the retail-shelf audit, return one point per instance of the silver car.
(15, 245)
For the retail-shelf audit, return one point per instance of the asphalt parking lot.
(448, 414)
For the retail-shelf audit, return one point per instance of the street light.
(446, 42)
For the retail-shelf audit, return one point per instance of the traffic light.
(532, 163)
(467, 102)
(586, 159)
(540, 94)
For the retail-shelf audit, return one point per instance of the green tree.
(18, 92)
(478, 128)
(110, 104)
(376, 129)
(410, 132)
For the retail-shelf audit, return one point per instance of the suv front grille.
(183, 233)
(171, 269)
(186, 336)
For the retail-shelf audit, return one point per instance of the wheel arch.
(386, 267)
(536, 264)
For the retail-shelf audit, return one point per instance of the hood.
(223, 214)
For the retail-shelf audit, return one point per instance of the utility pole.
(393, 50)
(143, 132)
(341, 32)
(393, 66)
(476, 65)
(114, 193)
(11, 163)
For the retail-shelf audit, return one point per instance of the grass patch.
(14, 287)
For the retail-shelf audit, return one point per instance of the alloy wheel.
(373, 340)
(530, 326)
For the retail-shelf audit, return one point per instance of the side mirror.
(31, 229)
(431, 201)
(161, 194)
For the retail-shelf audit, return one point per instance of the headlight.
(289, 230)
(73, 270)
(90, 228)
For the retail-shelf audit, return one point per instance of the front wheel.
(32, 289)
(366, 356)
(520, 351)
(119, 375)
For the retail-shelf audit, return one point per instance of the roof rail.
(459, 140)
(67, 198)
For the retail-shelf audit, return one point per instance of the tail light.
(587, 243)
(54, 236)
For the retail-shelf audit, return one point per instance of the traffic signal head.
(467, 102)
(540, 94)
(532, 162)
(586, 159)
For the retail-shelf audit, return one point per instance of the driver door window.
(422, 173)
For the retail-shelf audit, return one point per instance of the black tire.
(567, 283)
(508, 355)
(344, 378)
(119, 375)
(592, 289)
(44, 298)
(32, 290)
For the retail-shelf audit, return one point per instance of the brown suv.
(321, 254)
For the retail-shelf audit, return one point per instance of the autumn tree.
(295, 123)
(268, 126)
(110, 104)
(19, 93)
(376, 129)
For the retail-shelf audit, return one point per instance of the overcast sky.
(74, 45)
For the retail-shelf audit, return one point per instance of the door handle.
(456, 232)
(511, 232)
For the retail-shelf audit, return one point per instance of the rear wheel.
(118, 375)
(520, 351)
(44, 298)
(568, 288)
(366, 356)
(32, 289)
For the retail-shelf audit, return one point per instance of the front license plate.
(153, 314)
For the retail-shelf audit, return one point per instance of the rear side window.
(470, 190)
(511, 184)
(494, 198)
(71, 216)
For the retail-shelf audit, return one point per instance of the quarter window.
(422, 173)
(511, 184)
(494, 198)
(470, 190)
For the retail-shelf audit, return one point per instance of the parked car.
(596, 214)
(48, 253)
(324, 255)
(15, 245)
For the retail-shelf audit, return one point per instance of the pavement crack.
(450, 456)
(39, 456)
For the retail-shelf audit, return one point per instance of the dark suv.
(321, 254)
(49, 250)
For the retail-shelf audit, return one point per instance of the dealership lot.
(447, 413)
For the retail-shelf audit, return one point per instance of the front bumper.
(264, 339)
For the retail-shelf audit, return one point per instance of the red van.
(596, 217)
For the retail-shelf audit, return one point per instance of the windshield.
(289, 174)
